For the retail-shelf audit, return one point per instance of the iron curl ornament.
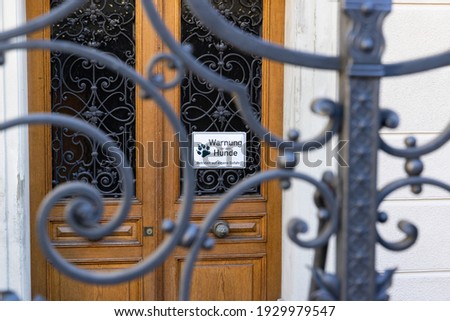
(348, 202)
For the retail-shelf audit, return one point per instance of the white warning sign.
(219, 149)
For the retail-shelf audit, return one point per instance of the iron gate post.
(362, 45)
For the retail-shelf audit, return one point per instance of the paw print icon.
(203, 150)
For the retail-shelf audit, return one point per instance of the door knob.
(221, 229)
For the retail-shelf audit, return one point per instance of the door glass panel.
(206, 109)
(87, 90)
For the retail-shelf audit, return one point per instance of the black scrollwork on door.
(205, 108)
(82, 88)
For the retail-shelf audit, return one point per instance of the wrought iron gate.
(348, 201)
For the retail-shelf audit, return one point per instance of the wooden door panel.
(228, 278)
(63, 288)
(128, 234)
(120, 250)
(244, 227)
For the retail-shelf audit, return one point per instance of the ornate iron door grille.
(84, 89)
(204, 108)
(348, 202)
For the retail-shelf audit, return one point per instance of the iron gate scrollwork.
(348, 201)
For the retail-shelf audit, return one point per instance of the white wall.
(14, 200)
(415, 29)
(310, 26)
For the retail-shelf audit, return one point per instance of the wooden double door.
(244, 265)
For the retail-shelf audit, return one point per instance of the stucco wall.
(14, 213)
(310, 26)
(414, 29)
